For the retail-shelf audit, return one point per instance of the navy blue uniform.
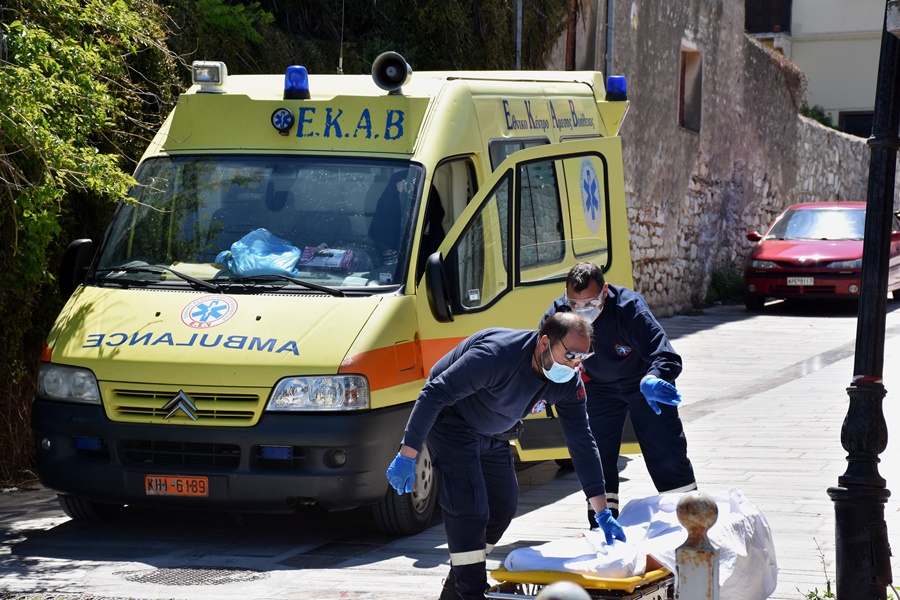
(482, 388)
(629, 343)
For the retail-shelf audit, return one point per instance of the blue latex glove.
(402, 473)
(610, 526)
(658, 391)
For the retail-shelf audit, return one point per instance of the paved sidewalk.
(763, 413)
(764, 400)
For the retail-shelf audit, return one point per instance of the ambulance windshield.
(342, 222)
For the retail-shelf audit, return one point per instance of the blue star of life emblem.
(590, 195)
(282, 120)
(209, 311)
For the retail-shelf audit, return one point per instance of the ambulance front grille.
(212, 408)
(168, 454)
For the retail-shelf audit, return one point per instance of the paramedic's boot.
(449, 590)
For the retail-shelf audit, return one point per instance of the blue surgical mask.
(558, 373)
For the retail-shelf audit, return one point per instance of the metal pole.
(519, 34)
(610, 36)
(570, 34)
(863, 564)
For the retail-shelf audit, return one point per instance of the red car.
(813, 250)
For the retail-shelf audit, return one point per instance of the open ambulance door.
(507, 255)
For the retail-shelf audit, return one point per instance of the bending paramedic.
(632, 371)
(471, 406)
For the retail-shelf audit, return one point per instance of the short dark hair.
(559, 324)
(581, 275)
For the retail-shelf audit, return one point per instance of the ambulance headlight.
(67, 384)
(338, 392)
(209, 75)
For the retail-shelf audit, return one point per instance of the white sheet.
(747, 566)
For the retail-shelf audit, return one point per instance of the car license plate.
(173, 485)
(800, 281)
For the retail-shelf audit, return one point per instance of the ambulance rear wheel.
(411, 513)
(79, 509)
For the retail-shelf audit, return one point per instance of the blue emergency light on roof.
(209, 75)
(296, 83)
(616, 89)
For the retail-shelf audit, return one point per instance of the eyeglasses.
(580, 304)
(572, 355)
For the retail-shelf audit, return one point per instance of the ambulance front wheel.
(411, 513)
(79, 509)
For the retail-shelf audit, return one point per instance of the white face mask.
(588, 313)
(557, 373)
(588, 309)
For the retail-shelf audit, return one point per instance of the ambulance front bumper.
(334, 460)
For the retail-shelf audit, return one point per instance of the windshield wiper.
(159, 269)
(279, 276)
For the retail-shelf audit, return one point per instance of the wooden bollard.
(697, 560)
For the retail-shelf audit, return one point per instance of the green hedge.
(85, 83)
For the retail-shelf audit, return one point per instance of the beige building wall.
(836, 44)
(694, 194)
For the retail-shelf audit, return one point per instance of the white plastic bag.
(747, 564)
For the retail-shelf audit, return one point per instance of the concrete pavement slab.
(764, 401)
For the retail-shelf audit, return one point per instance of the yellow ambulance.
(256, 324)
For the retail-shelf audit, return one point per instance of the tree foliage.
(325, 35)
(85, 83)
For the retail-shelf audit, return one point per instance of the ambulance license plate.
(800, 281)
(173, 485)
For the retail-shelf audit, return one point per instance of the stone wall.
(693, 196)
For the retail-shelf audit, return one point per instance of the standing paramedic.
(469, 409)
(632, 370)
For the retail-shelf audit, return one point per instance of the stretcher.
(658, 584)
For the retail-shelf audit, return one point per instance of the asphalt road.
(764, 398)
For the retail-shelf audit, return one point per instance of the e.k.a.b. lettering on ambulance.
(308, 125)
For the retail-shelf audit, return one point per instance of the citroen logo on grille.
(182, 403)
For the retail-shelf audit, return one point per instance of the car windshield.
(820, 224)
(335, 222)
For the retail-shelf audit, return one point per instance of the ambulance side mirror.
(74, 267)
(437, 289)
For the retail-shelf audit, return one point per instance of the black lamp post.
(861, 538)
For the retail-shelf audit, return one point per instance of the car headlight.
(337, 392)
(846, 264)
(68, 384)
(763, 264)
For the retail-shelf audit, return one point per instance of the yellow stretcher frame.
(618, 588)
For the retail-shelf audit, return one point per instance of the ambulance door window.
(482, 251)
(540, 220)
(502, 149)
(457, 184)
(452, 187)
